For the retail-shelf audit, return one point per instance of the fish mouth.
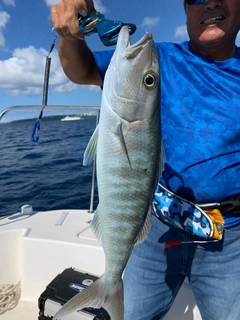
(132, 50)
(212, 20)
(125, 50)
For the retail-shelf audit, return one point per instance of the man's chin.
(212, 35)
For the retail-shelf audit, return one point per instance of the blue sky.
(26, 36)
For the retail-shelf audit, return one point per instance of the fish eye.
(150, 80)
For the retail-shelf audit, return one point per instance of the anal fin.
(96, 226)
(146, 226)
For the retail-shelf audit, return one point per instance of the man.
(200, 106)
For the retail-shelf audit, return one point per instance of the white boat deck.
(38, 247)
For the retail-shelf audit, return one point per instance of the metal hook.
(55, 37)
(54, 34)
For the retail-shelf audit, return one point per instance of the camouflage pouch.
(181, 213)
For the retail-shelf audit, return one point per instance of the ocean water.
(48, 174)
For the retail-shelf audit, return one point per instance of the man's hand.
(64, 16)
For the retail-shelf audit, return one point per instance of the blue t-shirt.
(200, 114)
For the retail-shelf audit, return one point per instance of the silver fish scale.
(125, 194)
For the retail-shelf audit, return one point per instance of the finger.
(65, 21)
(90, 6)
(85, 8)
(69, 22)
(55, 20)
(81, 7)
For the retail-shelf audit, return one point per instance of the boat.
(38, 246)
(71, 118)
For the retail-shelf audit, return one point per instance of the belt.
(203, 220)
(230, 205)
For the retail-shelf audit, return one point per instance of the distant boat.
(71, 118)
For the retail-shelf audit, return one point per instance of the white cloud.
(2, 39)
(181, 31)
(92, 88)
(70, 86)
(23, 73)
(99, 6)
(150, 22)
(51, 3)
(9, 2)
(67, 87)
(97, 3)
(4, 18)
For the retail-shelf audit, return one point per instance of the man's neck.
(216, 52)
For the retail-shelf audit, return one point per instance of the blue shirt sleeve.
(103, 59)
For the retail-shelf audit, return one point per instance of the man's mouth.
(213, 20)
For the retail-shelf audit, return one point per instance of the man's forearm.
(78, 62)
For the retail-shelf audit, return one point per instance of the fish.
(127, 147)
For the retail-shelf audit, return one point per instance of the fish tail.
(97, 295)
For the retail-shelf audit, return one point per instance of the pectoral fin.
(123, 144)
(91, 150)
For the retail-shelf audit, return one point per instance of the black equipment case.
(65, 286)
